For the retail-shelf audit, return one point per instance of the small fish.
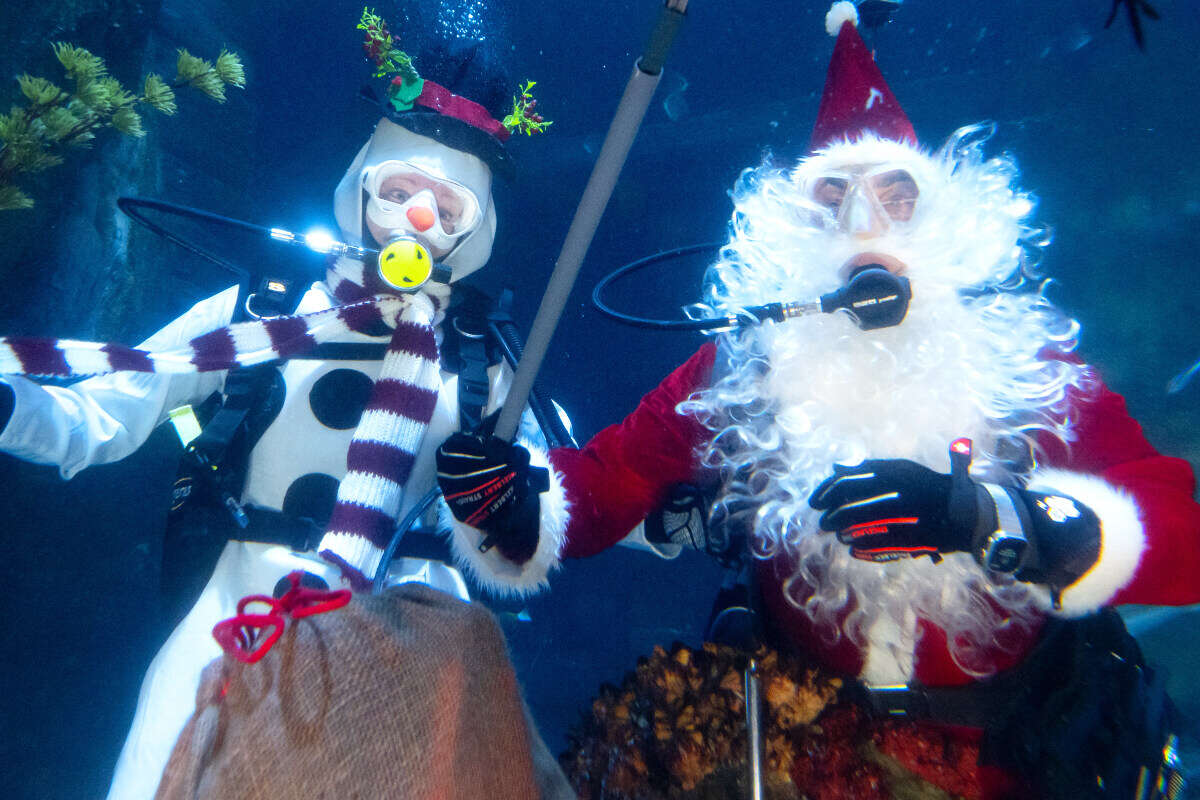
(876, 13)
(675, 105)
(369, 94)
(1181, 380)
(520, 616)
(1133, 8)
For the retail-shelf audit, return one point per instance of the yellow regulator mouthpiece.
(405, 264)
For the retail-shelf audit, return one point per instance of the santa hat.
(856, 98)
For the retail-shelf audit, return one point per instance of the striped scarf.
(389, 433)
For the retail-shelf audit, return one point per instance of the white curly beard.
(795, 398)
(842, 395)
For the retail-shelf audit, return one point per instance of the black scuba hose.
(131, 206)
(504, 332)
(874, 298)
(656, 324)
(403, 528)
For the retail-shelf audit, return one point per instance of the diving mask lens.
(886, 194)
(402, 196)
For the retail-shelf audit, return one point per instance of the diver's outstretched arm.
(105, 418)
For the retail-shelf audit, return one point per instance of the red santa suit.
(627, 470)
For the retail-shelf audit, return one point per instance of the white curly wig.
(789, 400)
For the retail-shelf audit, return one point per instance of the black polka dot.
(307, 580)
(339, 397)
(312, 497)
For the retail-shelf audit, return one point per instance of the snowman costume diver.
(401, 184)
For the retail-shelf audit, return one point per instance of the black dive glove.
(489, 485)
(889, 509)
(682, 519)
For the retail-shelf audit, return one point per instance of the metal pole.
(621, 132)
(754, 741)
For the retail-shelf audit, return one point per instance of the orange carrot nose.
(421, 218)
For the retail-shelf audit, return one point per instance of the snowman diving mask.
(406, 199)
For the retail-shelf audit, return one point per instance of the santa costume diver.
(353, 441)
(921, 498)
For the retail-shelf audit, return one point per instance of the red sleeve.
(626, 470)
(1110, 443)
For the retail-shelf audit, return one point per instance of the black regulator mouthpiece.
(874, 297)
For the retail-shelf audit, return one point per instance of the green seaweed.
(54, 120)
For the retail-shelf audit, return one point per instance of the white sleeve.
(105, 418)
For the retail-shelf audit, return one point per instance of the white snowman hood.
(395, 142)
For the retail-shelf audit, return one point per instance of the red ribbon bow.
(241, 636)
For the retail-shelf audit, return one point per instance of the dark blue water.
(1105, 135)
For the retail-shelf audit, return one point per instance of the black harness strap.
(345, 351)
(243, 389)
(1082, 715)
(473, 384)
(504, 333)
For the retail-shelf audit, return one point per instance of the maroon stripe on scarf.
(403, 399)
(39, 356)
(347, 291)
(363, 318)
(416, 339)
(358, 581)
(289, 336)
(214, 350)
(378, 458)
(369, 523)
(127, 359)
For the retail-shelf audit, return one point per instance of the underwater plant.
(34, 137)
(675, 729)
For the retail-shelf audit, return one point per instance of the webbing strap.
(473, 384)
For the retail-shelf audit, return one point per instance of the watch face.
(1005, 553)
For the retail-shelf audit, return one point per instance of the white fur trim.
(839, 13)
(1122, 539)
(496, 574)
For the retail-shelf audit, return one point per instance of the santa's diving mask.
(404, 199)
(867, 201)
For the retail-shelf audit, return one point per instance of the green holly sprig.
(523, 118)
(380, 47)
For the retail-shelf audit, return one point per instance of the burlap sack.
(409, 694)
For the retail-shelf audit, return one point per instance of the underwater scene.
(860, 461)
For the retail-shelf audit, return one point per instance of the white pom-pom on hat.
(840, 12)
